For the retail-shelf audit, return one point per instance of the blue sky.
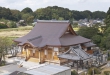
(81, 5)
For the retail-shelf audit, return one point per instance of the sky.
(80, 5)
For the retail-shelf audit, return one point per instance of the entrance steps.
(35, 60)
(28, 64)
(31, 62)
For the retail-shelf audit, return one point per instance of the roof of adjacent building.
(75, 53)
(89, 44)
(49, 70)
(19, 73)
(11, 68)
(46, 69)
(52, 33)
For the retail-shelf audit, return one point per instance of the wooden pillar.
(26, 53)
(73, 64)
(77, 65)
(22, 50)
(45, 54)
(98, 60)
(33, 52)
(52, 52)
(87, 64)
(82, 64)
(39, 56)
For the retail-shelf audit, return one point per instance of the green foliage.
(97, 39)
(2, 63)
(74, 73)
(108, 58)
(30, 19)
(5, 44)
(103, 42)
(98, 14)
(2, 26)
(56, 12)
(16, 15)
(94, 70)
(88, 32)
(5, 13)
(107, 42)
(7, 24)
(61, 18)
(75, 25)
(48, 13)
(27, 10)
(107, 31)
(107, 19)
(12, 24)
(106, 72)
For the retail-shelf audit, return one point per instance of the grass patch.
(15, 32)
(17, 29)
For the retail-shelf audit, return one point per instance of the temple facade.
(52, 41)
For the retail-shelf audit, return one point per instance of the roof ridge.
(34, 38)
(64, 21)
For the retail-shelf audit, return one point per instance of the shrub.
(74, 73)
(96, 71)
(106, 72)
(108, 58)
(12, 25)
(3, 26)
(2, 63)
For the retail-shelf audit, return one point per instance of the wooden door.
(55, 57)
(49, 54)
(31, 53)
(36, 54)
(42, 55)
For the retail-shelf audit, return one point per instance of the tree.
(16, 15)
(88, 32)
(5, 13)
(103, 43)
(5, 44)
(27, 10)
(98, 15)
(25, 16)
(107, 19)
(97, 39)
(107, 42)
(12, 24)
(30, 19)
(107, 32)
(3, 25)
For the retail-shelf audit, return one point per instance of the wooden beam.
(71, 30)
